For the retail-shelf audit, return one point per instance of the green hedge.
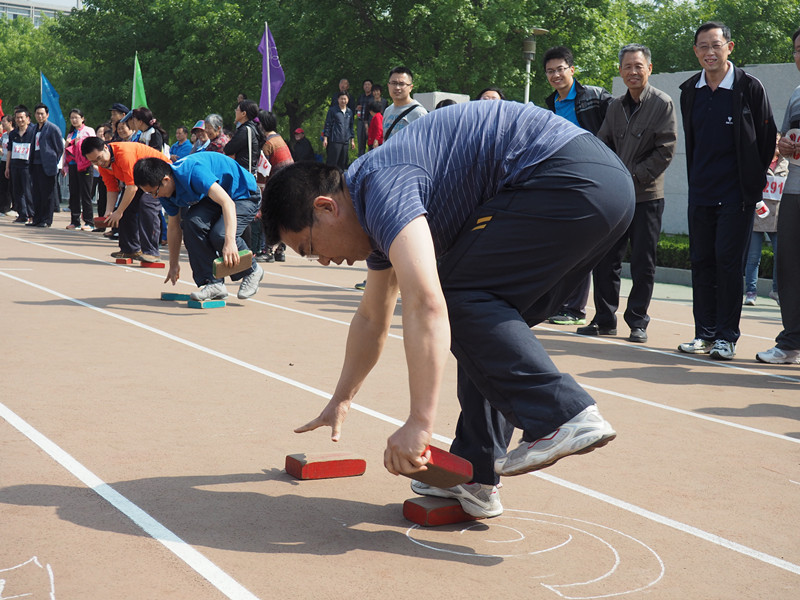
(673, 252)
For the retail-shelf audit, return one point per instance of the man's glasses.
(715, 47)
(558, 71)
(399, 84)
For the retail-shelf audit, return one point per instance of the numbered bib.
(20, 151)
(774, 188)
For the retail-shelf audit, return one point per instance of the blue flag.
(50, 98)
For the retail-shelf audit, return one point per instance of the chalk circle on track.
(556, 548)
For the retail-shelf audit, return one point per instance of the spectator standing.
(787, 344)
(403, 110)
(18, 160)
(344, 86)
(182, 147)
(363, 116)
(246, 143)
(375, 132)
(377, 90)
(730, 141)
(152, 133)
(766, 229)
(302, 149)
(217, 138)
(80, 173)
(584, 106)
(201, 140)
(5, 185)
(337, 135)
(116, 113)
(642, 129)
(47, 152)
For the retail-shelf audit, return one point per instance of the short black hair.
(44, 106)
(288, 200)
(557, 52)
(377, 86)
(376, 107)
(340, 94)
(794, 36)
(708, 25)
(491, 89)
(184, 128)
(402, 69)
(90, 144)
(22, 108)
(445, 102)
(150, 171)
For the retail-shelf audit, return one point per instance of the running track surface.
(142, 446)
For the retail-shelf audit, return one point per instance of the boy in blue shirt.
(210, 200)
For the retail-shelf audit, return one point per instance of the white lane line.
(677, 525)
(204, 567)
(689, 413)
(621, 504)
(674, 355)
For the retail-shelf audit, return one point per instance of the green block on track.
(206, 303)
(173, 296)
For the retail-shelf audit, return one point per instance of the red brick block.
(152, 265)
(444, 470)
(325, 465)
(124, 261)
(430, 512)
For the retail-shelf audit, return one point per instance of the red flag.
(1, 109)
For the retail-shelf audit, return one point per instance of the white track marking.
(204, 567)
(720, 541)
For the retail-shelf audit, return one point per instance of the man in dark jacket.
(47, 151)
(338, 133)
(730, 141)
(584, 106)
(642, 129)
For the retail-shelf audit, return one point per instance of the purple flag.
(272, 76)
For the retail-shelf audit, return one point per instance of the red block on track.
(444, 470)
(153, 265)
(430, 512)
(325, 465)
(124, 261)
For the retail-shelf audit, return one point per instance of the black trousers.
(22, 191)
(80, 196)
(338, 154)
(140, 225)
(788, 259)
(44, 195)
(517, 258)
(718, 240)
(643, 237)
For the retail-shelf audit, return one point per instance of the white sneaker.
(581, 434)
(776, 356)
(249, 285)
(750, 299)
(477, 500)
(210, 291)
(723, 350)
(696, 346)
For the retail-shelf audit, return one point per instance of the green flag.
(139, 98)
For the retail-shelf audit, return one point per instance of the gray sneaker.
(477, 500)
(776, 356)
(250, 283)
(210, 291)
(723, 350)
(581, 434)
(696, 346)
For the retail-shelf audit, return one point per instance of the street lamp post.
(529, 52)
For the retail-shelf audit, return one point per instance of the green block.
(174, 296)
(206, 303)
(245, 262)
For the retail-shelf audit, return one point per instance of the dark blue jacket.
(51, 147)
